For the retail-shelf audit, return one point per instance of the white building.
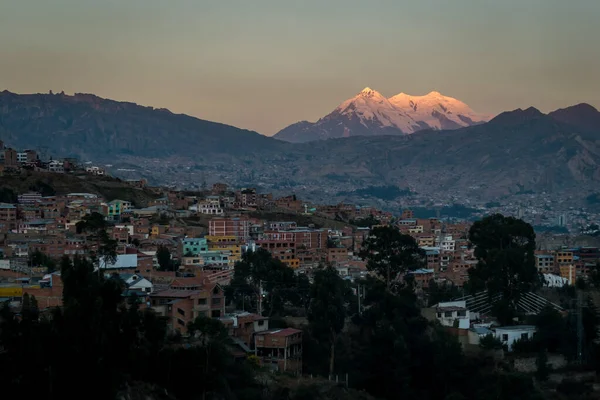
(454, 314)
(138, 282)
(508, 335)
(446, 243)
(208, 208)
(551, 280)
(56, 167)
(94, 170)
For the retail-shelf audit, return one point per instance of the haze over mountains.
(521, 151)
(369, 113)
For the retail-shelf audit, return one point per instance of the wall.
(528, 364)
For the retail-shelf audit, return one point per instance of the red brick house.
(183, 306)
(280, 349)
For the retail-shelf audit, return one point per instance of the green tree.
(505, 249)
(91, 223)
(107, 249)
(163, 256)
(389, 253)
(39, 259)
(260, 277)
(438, 293)
(7, 195)
(366, 222)
(490, 342)
(542, 367)
(327, 311)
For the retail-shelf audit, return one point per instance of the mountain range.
(369, 113)
(87, 126)
(520, 151)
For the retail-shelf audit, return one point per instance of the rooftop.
(172, 293)
(516, 328)
(281, 332)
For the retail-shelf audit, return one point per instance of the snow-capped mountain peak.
(438, 111)
(371, 113)
(372, 108)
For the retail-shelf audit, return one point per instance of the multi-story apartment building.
(8, 217)
(545, 263)
(237, 227)
(281, 245)
(182, 306)
(248, 197)
(194, 246)
(280, 350)
(30, 198)
(563, 257)
(10, 158)
(116, 208)
(225, 244)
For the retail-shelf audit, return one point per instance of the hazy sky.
(263, 64)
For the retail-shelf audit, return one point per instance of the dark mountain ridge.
(86, 125)
(516, 151)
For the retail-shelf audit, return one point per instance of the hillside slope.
(90, 127)
(60, 184)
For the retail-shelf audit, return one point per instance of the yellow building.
(11, 291)
(564, 257)
(225, 244)
(155, 231)
(426, 241)
(416, 229)
(568, 271)
(292, 263)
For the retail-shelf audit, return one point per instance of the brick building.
(183, 306)
(237, 227)
(8, 217)
(280, 350)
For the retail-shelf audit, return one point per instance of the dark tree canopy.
(259, 276)
(163, 256)
(327, 311)
(91, 223)
(391, 254)
(505, 249)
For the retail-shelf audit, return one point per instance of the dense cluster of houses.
(13, 160)
(205, 235)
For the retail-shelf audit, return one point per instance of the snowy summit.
(370, 113)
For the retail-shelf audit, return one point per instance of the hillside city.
(178, 252)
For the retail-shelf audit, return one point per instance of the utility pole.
(579, 327)
(260, 298)
(358, 295)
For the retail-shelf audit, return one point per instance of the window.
(524, 336)
(180, 322)
(505, 337)
(216, 301)
(462, 313)
(181, 312)
(261, 322)
(201, 302)
(448, 314)
(439, 315)
(216, 314)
